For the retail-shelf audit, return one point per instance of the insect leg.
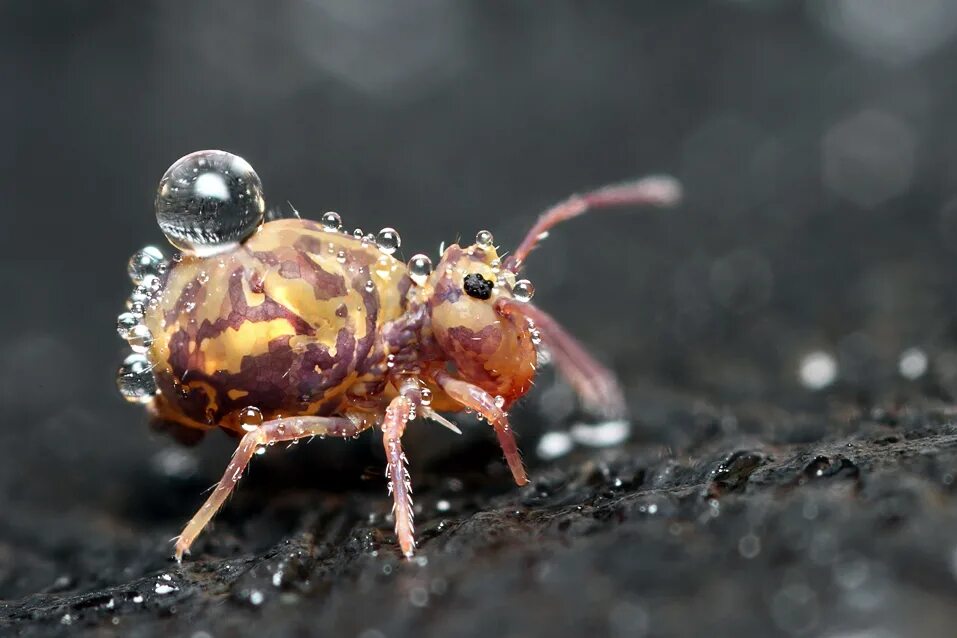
(593, 382)
(286, 429)
(656, 191)
(475, 398)
(401, 410)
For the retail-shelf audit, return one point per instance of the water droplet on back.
(420, 267)
(523, 290)
(146, 262)
(134, 379)
(140, 338)
(209, 201)
(388, 240)
(126, 322)
(331, 221)
(484, 238)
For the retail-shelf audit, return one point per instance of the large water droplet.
(140, 338)
(523, 290)
(126, 322)
(331, 221)
(209, 201)
(134, 379)
(146, 262)
(420, 267)
(388, 240)
(484, 238)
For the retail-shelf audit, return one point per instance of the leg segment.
(475, 398)
(656, 191)
(594, 383)
(286, 429)
(397, 416)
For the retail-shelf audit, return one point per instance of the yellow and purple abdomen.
(286, 322)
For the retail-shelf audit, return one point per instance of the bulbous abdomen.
(287, 322)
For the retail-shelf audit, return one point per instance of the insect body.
(292, 328)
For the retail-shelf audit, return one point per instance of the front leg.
(595, 384)
(286, 429)
(475, 398)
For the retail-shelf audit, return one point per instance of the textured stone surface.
(786, 337)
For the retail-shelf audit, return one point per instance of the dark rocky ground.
(760, 494)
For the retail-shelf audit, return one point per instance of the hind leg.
(286, 429)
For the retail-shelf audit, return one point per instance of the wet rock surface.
(787, 337)
(783, 526)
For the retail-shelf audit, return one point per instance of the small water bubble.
(163, 589)
(134, 379)
(818, 370)
(209, 201)
(426, 396)
(536, 336)
(523, 290)
(420, 267)
(250, 418)
(390, 361)
(499, 402)
(138, 298)
(140, 338)
(357, 233)
(388, 240)
(146, 262)
(341, 256)
(749, 546)
(126, 322)
(370, 286)
(913, 363)
(484, 238)
(256, 597)
(331, 221)
(419, 596)
(602, 434)
(554, 445)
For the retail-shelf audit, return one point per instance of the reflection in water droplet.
(420, 267)
(484, 238)
(140, 338)
(388, 240)
(208, 201)
(146, 262)
(126, 322)
(331, 221)
(523, 290)
(134, 379)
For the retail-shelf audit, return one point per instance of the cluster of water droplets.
(134, 378)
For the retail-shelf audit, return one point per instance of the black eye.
(477, 286)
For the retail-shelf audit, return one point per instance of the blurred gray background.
(812, 262)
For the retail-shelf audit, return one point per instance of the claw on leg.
(397, 415)
(475, 398)
(287, 429)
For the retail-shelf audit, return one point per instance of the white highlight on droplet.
(212, 185)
